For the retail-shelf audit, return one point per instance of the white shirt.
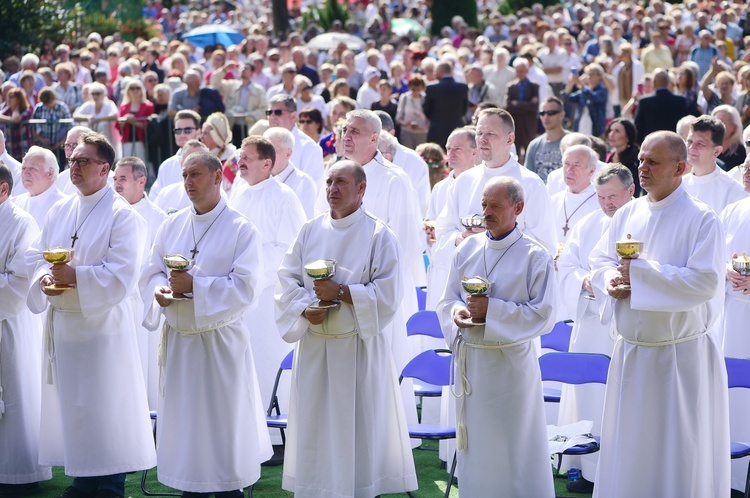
(170, 171)
(303, 185)
(39, 205)
(307, 156)
(414, 166)
(717, 189)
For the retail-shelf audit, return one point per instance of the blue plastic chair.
(434, 367)
(279, 420)
(559, 338)
(425, 323)
(575, 368)
(421, 298)
(738, 375)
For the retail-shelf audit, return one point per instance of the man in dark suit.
(445, 104)
(660, 111)
(523, 104)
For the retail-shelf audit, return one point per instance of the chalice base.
(622, 287)
(58, 287)
(177, 296)
(324, 305)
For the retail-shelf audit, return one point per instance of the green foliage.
(26, 23)
(444, 10)
(324, 16)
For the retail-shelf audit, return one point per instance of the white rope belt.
(49, 337)
(162, 351)
(334, 336)
(670, 342)
(462, 389)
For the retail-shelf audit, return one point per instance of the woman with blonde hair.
(217, 136)
(733, 153)
(134, 111)
(101, 114)
(434, 155)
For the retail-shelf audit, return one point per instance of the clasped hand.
(180, 281)
(60, 274)
(326, 290)
(476, 309)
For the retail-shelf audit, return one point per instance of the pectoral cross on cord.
(75, 235)
(566, 229)
(195, 250)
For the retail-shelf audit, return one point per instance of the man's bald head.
(356, 169)
(661, 79)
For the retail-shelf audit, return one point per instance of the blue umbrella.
(211, 34)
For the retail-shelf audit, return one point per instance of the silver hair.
(593, 158)
(372, 119)
(387, 143)
(614, 170)
(512, 187)
(29, 60)
(50, 161)
(287, 100)
(575, 139)
(282, 135)
(136, 165)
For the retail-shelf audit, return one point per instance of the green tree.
(444, 10)
(26, 23)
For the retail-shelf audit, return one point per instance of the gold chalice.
(320, 270)
(178, 262)
(472, 221)
(58, 256)
(741, 264)
(476, 286)
(628, 249)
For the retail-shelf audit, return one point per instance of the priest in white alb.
(501, 432)
(736, 316)
(20, 344)
(614, 188)
(275, 211)
(63, 182)
(665, 410)
(130, 182)
(211, 435)
(707, 181)
(173, 197)
(13, 165)
(555, 182)
(38, 174)
(347, 432)
(579, 197)
(187, 127)
(95, 418)
(287, 173)
(495, 137)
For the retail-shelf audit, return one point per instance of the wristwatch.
(341, 291)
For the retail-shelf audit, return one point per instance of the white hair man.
(307, 155)
(287, 173)
(130, 182)
(614, 188)
(276, 212)
(501, 431)
(29, 62)
(499, 74)
(13, 165)
(387, 145)
(39, 174)
(173, 197)
(579, 197)
(20, 393)
(556, 178)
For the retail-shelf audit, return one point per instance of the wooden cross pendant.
(194, 251)
(565, 230)
(74, 238)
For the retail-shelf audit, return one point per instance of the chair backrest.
(575, 368)
(430, 366)
(421, 298)
(286, 363)
(738, 372)
(424, 323)
(559, 338)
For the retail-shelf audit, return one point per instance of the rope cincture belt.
(162, 351)
(49, 337)
(464, 387)
(669, 342)
(334, 336)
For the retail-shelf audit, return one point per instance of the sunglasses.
(275, 112)
(180, 131)
(305, 121)
(548, 113)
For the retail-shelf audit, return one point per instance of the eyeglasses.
(275, 112)
(305, 121)
(548, 113)
(180, 131)
(82, 162)
(70, 145)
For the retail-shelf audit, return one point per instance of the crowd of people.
(198, 190)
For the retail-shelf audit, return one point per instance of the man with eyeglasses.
(543, 153)
(307, 155)
(20, 329)
(92, 368)
(187, 126)
(71, 142)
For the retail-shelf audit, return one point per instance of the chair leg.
(250, 491)
(150, 493)
(450, 477)
(747, 481)
(410, 494)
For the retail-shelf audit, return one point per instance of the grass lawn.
(432, 480)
